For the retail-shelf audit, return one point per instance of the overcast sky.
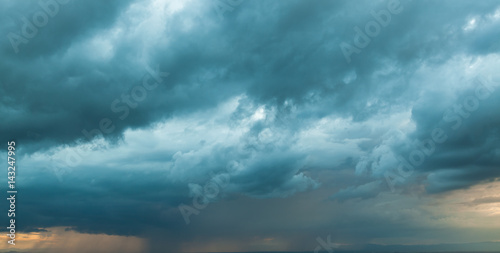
(231, 125)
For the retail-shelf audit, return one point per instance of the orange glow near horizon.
(60, 239)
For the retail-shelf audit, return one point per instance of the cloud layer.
(259, 92)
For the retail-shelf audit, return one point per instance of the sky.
(237, 125)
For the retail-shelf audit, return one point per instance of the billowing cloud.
(254, 115)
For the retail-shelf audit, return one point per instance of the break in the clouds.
(355, 119)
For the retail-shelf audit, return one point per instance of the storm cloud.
(125, 110)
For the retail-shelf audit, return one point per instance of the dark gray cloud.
(263, 95)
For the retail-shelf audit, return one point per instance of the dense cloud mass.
(261, 124)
